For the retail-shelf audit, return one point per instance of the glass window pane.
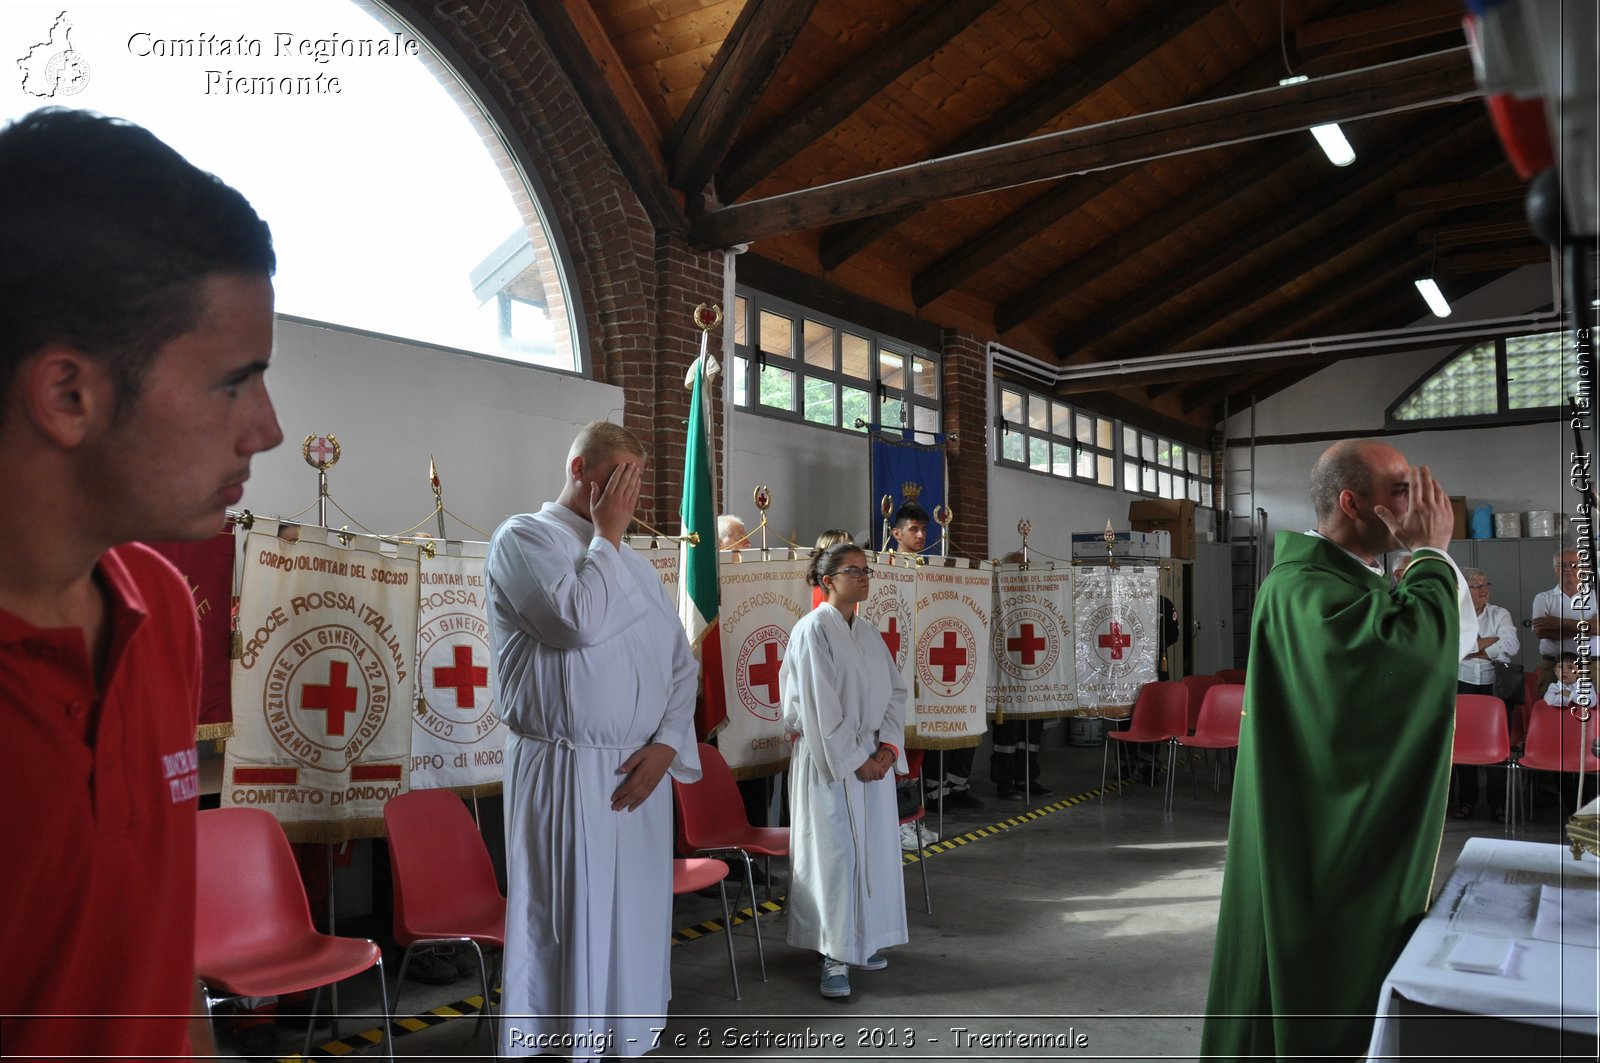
(894, 413)
(741, 381)
(741, 310)
(1105, 470)
(1193, 461)
(854, 404)
(1011, 405)
(1464, 387)
(1130, 443)
(1536, 371)
(1147, 479)
(1177, 457)
(855, 355)
(1104, 433)
(1061, 459)
(777, 387)
(1013, 446)
(1205, 465)
(1061, 420)
(819, 401)
(1085, 433)
(1164, 483)
(891, 370)
(1130, 476)
(925, 376)
(1039, 455)
(1147, 448)
(924, 419)
(1038, 413)
(819, 344)
(1194, 490)
(1085, 463)
(777, 336)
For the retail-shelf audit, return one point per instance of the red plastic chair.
(711, 821)
(253, 931)
(1231, 675)
(691, 876)
(1160, 714)
(1559, 741)
(1483, 737)
(1198, 685)
(445, 891)
(914, 771)
(1221, 712)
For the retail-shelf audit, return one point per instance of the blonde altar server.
(597, 684)
(844, 704)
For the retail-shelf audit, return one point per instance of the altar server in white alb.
(597, 684)
(844, 703)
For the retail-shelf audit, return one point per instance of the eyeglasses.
(1478, 586)
(853, 571)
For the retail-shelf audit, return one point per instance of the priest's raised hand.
(1428, 519)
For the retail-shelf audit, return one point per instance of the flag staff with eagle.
(699, 597)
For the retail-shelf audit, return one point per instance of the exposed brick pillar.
(684, 278)
(963, 373)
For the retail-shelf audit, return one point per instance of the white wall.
(1056, 508)
(498, 431)
(1515, 468)
(819, 479)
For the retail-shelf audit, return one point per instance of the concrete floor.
(1093, 921)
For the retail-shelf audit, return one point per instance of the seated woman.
(844, 704)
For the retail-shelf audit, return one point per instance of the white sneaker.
(908, 837)
(929, 835)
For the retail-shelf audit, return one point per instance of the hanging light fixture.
(1329, 137)
(1430, 287)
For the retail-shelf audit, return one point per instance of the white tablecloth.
(1530, 903)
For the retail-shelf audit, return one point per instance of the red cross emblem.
(891, 638)
(463, 676)
(1115, 640)
(337, 698)
(765, 672)
(1027, 644)
(949, 656)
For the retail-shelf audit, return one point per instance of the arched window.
(395, 205)
(1516, 378)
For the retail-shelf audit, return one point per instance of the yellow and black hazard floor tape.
(470, 1006)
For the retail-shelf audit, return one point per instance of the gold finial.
(320, 452)
(707, 316)
(909, 491)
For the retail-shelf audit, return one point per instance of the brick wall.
(965, 384)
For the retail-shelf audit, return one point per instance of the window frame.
(1503, 414)
(1050, 438)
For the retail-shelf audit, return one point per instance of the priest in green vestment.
(1344, 763)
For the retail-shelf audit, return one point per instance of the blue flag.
(906, 472)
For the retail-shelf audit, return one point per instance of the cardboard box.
(1173, 515)
(1125, 546)
(1458, 504)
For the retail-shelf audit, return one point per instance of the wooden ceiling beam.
(1394, 23)
(1498, 232)
(1502, 261)
(750, 55)
(1427, 81)
(843, 93)
(1000, 239)
(586, 55)
(1042, 104)
(1239, 188)
(1267, 229)
(1502, 186)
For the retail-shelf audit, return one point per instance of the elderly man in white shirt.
(1497, 644)
(1558, 612)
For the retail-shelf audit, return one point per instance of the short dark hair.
(825, 562)
(908, 512)
(109, 235)
(1342, 467)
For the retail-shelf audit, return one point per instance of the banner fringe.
(333, 832)
(760, 771)
(213, 732)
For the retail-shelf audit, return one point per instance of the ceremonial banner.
(457, 738)
(323, 690)
(952, 654)
(907, 472)
(662, 558)
(208, 567)
(761, 600)
(1119, 636)
(892, 608)
(1035, 666)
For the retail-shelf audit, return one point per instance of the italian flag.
(699, 598)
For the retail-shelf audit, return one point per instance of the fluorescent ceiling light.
(1330, 136)
(1436, 300)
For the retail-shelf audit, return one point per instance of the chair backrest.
(249, 889)
(1160, 711)
(1198, 685)
(1530, 688)
(1556, 740)
(1231, 675)
(710, 810)
(439, 862)
(1482, 734)
(1220, 712)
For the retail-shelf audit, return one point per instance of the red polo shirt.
(99, 788)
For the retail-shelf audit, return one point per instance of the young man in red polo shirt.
(135, 325)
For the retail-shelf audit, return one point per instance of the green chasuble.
(1338, 802)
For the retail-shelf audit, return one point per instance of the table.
(1543, 1001)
